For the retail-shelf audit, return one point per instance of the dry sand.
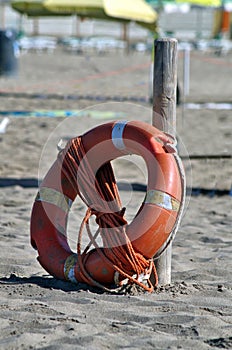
(40, 312)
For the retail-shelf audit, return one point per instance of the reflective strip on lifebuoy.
(69, 266)
(162, 199)
(49, 195)
(152, 224)
(117, 135)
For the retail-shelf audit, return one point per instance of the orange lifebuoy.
(151, 226)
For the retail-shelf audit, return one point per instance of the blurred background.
(194, 21)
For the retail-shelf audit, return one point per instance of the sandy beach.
(39, 312)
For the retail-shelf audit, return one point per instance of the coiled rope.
(100, 194)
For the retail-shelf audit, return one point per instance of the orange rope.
(100, 194)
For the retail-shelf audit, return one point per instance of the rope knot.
(109, 218)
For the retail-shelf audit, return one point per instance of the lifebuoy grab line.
(83, 168)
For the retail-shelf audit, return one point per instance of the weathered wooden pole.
(35, 26)
(164, 118)
(125, 36)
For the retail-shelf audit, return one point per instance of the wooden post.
(125, 36)
(76, 25)
(164, 118)
(35, 26)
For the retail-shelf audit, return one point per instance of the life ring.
(151, 226)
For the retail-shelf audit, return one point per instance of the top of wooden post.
(164, 84)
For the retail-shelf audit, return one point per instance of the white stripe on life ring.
(117, 135)
(69, 267)
(52, 196)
